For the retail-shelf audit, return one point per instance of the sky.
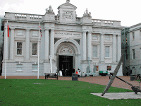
(126, 11)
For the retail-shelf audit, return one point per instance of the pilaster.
(46, 44)
(119, 47)
(114, 48)
(89, 46)
(52, 44)
(102, 47)
(5, 43)
(84, 45)
(27, 44)
(12, 43)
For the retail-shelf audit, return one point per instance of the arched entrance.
(67, 56)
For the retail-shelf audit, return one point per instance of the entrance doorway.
(66, 65)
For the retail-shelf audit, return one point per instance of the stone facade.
(89, 41)
(135, 48)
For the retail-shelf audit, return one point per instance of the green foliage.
(18, 92)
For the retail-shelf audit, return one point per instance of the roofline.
(135, 25)
(23, 13)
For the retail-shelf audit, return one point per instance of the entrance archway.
(67, 56)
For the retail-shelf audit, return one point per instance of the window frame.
(17, 68)
(97, 68)
(96, 51)
(17, 48)
(133, 54)
(133, 35)
(109, 51)
(32, 49)
(34, 67)
(109, 67)
(126, 54)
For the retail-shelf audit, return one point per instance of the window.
(95, 37)
(19, 48)
(19, 67)
(108, 68)
(34, 67)
(94, 51)
(107, 51)
(34, 48)
(126, 54)
(96, 68)
(133, 35)
(107, 37)
(133, 51)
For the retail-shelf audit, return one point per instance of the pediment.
(67, 5)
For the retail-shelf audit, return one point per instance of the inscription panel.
(67, 14)
(67, 34)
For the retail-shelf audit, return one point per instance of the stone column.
(114, 48)
(89, 46)
(27, 44)
(46, 44)
(12, 44)
(102, 48)
(5, 43)
(119, 47)
(52, 44)
(84, 45)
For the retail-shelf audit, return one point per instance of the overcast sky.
(126, 11)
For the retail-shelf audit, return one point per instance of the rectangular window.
(133, 35)
(107, 37)
(126, 54)
(108, 68)
(94, 51)
(34, 67)
(19, 48)
(34, 48)
(107, 51)
(133, 51)
(96, 68)
(19, 67)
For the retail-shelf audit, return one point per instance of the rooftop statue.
(67, 1)
(86, 14)
(50, 10)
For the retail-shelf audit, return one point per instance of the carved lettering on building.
(67, 15)
(67, 34)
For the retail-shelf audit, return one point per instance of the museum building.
(71, 41)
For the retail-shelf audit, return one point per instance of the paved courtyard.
(102, 80)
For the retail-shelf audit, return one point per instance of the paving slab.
(122, 95)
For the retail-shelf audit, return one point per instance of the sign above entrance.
(67, 34)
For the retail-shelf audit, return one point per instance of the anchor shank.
(124, 81)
